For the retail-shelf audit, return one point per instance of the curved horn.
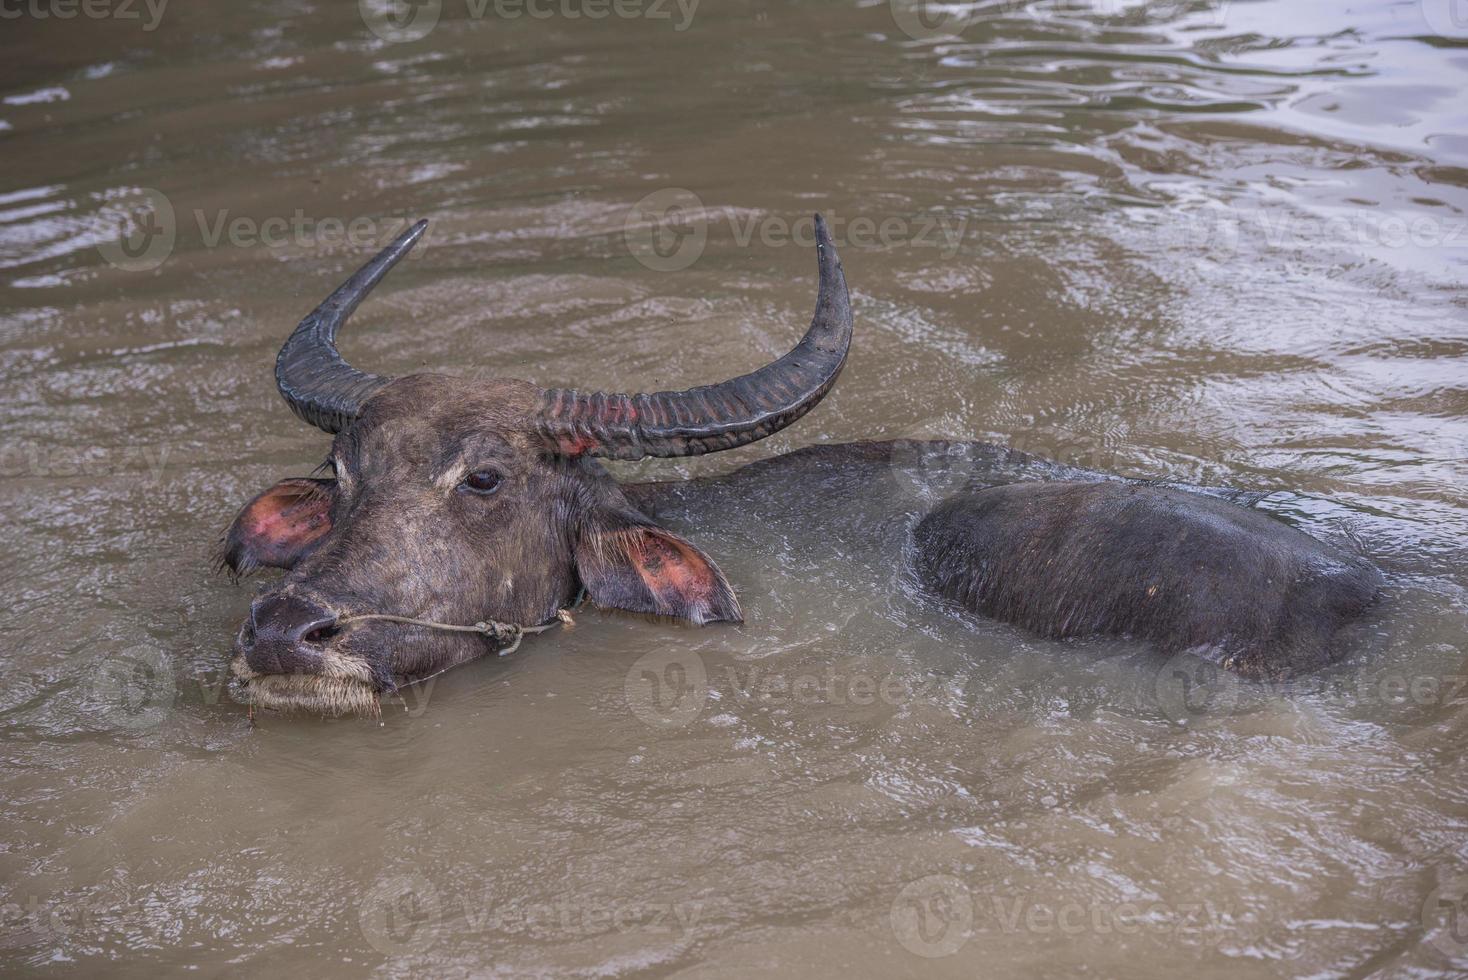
(711, 418)
(317, 383)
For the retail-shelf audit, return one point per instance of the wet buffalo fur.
(398, 528)
(1184, 571)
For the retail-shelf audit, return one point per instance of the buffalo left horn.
(318, 384)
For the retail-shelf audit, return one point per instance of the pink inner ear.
(277, 526)
(667, 569)
(641, 568)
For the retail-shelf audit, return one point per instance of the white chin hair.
(343, 690)
(331, 697)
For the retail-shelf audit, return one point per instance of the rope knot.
(507, 635)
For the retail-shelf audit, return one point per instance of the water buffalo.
(454, 502)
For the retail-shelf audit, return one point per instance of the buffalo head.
(461, 501)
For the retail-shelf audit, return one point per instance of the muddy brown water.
(1212, 243)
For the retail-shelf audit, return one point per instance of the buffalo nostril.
(285, 635)
(321, 634)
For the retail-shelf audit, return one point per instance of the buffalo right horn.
(713, 417)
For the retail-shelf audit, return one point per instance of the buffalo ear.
(279, 527)
(627, 563)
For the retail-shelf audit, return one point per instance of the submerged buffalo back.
(1183, 571)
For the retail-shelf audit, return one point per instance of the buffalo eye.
(482, 481)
